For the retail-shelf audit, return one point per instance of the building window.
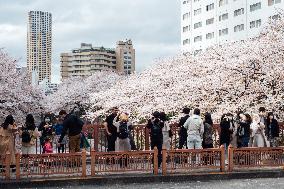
(196, 1)
(210, 35)
(255, 7)
(223, 2)
(223, 17)
(275, 17)
(197, 11)
(238, 28)
(185, 16)
(197, 51)
(198, 38)
(209, 21)
(185, 2)
(210, 7)
(185, 29)
(255, 23)
(272, 2)
(223, 32)
(185, 42)
(197, 25)
(239, 12)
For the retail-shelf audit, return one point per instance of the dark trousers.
(243, 142)
(111, 142)
(159, 143)
(182, 138)
(60, 148)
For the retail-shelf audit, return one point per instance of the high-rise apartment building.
(39, 45)
(208, 22)
(86, 60)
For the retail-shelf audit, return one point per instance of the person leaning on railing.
(243, 131)
(29, 134)
(155, 124)
(111, 131)
(183, 132)
(195, 128)
(74, 125)
(272, 130)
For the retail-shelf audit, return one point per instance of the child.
(47, 147)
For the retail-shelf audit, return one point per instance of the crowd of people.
(51, 133)
(195, 131)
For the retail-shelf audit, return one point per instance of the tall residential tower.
(39, 45)
(208, 22)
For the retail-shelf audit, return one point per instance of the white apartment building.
(208, 22)
(39, 45)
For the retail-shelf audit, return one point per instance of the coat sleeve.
(186, 124)
(149, 124)
(201, 129)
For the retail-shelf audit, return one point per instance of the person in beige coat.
(7, 134)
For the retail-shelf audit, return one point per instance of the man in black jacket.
(111, 130)
(183, 132)
(74, 125)
(155, 124)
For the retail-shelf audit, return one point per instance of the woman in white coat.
(167, 133)
(258, 138)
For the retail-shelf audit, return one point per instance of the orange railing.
(133, 161)
(173, 161)
(45, 165)
(192, 159)
(244, 158)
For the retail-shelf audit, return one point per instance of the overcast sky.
(153, 26)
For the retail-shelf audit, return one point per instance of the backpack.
(123, 130)
(26, 136)
(156, 129)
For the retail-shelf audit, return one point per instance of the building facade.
(208, 22)
(39, 44)
(86, 60)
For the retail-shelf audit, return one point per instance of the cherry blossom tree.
(241, 75)
(75, 91)
(17, 96)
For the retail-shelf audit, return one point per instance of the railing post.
(7, 165)
(147, 141)
(84, 163)
(18, 166)
(222, 159)
(164, 160)
(96, 137)
(231, 156)
(155, 160)
(93, 161)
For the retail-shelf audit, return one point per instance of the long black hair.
(30, 122)
(208, 118)
(268, 119)
(9, 120)
(249, 119)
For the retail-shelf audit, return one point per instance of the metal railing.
(173, 161)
